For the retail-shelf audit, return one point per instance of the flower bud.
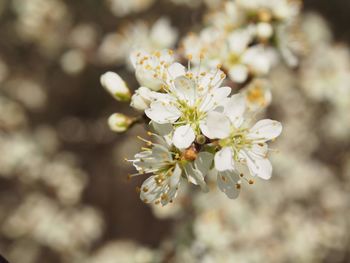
(116, 86)
(200, 139)
(239, 73)
(264, 30)
(141, 99)
(119, 122)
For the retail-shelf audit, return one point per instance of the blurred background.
(63, 188)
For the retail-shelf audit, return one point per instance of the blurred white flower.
(117, 46)
(258, 94)
(122, 8)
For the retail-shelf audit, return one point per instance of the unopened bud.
(200, 139)
(264, 30)
(116, 86)
(119, 122)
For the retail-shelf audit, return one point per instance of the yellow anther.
(164, 196)
(157, 54)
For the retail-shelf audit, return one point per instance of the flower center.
(237, 141)
(233, 59)
(190, 115)
(256, 95)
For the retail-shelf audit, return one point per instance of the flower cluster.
(199, 125)
(246, 37)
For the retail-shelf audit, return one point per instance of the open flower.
(189, 97)
(168, 166)
(151, 68)
(258, 94)
(242, 150)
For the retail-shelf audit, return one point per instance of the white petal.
(258, 60)
(216, 126)
(203, 162)
(239, 40)
(260, 150)
(224, 159)
(239, 73)
(176, 70)
(162, 34)
(175, 177)
(161, 112)
(214, 98)
(265, 130)
(258, 166)
(183, 136)
(160, 153)
(146, 78)
(196, 177)
(211, 80)
(162, 129)
(142, 98)
(185, 89)
(227, 182)
(153, 191)
(242, 169)
(235, 108)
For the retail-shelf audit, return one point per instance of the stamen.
(149, 143)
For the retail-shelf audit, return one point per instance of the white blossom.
(168, 165)
(189, 96)
(242, 150)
